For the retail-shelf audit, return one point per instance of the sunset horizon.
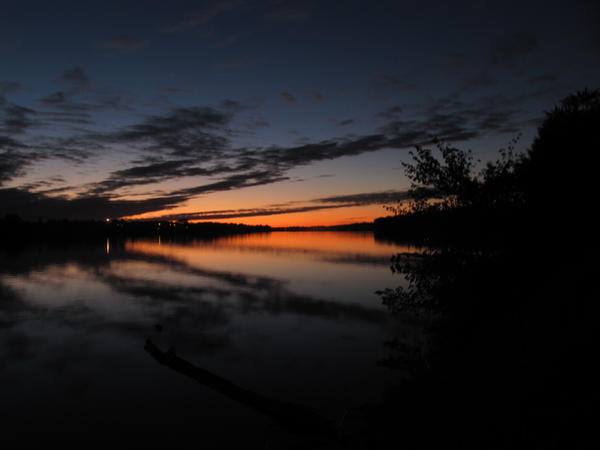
(298, 224)
(274, 113)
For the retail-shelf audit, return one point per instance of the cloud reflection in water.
(291, 319)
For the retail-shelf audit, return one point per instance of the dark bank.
(508, 288)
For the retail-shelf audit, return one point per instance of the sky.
(267, 112)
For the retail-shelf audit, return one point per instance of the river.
(292, 316)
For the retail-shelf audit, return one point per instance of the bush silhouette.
(510, 309)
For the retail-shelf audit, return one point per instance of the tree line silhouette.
(505, 291)
(544, 191)
(14, 231)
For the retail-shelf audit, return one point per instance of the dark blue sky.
(274, 111)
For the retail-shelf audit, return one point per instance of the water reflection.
(347, 266)
(290, 315)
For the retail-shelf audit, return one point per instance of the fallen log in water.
(295, 418)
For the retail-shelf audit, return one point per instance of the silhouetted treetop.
(560, 167)
(547, 190)
(450, 179)
(557, 168)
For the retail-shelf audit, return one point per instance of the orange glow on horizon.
(322, 217)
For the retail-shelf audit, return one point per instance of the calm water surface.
(293, 316)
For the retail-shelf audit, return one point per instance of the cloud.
(30, 205)
(15, 119)
(287, 97)
(333, 202)
(176, 90)
(19, 121)
(74, 118)
(75, 149)
(12, 162)
(243, 213)
(236, 62)
(386, 82)
(96, 102)
(288, 157)
(368, 198)
(7, 87)
(451, 119)
(183, 132)
(203, 16)
(288, 13)
(41, 184)
(507, 51)
(121, 43)
(227, 41)
(316, 95)
(58, 99)
(77, 78)
(481, 80)
(15, 156)
(192, 142)
(343, 123)
(194, 145)
(543, 79)
(154, 172)
(254, 123)
(184, 142)
(236, 181)
(390, 113)
(440, 126)
(77, 85)
(235, 107)
(384, 86)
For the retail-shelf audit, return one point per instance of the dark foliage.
(16, 232)
(559, 173)
(506, 292)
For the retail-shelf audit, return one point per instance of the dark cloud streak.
(30, 206)
(203, 16)
(121, 43)
(333, 202)
(290, 98)
(188, 142)
(183, 132)
(509, 50)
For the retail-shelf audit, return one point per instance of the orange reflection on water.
(351, 266)
(322, 241)
(307, 242)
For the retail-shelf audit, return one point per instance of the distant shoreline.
(362, 226)
(14, 229)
